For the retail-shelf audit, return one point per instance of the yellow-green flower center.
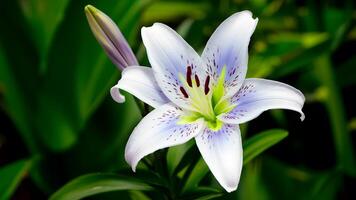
(208, 103)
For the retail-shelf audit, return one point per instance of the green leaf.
(196, 175)
(13, 98)
(59, 131)
(184, 28)
(342, 71)
(18, 62)
(203, 193)
(259, 143)
(326, 186)
(334, 105)
(97, 183)
(11, 176)
(283, 54)
(175, 155)
(152, 178)
(43, 18)
(250, 182)
(281, 180)
(189, 159)
(299, 59)
(168, 11)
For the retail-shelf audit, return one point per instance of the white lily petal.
(140, 82)
(169, 56)
(157, 130)
(228, 46)
(258, 95)
(222, 152)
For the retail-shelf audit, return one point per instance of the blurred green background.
(58, 121)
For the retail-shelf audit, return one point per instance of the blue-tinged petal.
(228, 46)
(172, 60)
(258, 95)
(140, 82)
(222, 152)
(159, 129)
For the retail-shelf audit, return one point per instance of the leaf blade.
(43, 18)
(11, 176)
(259, 143)
(96, 183)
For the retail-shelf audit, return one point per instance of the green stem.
(336, 111)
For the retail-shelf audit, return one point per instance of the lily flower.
(202, 97)
(110, 38)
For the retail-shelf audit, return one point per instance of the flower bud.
(110, 38)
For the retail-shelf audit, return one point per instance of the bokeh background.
(57, 120)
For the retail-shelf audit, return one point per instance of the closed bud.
(110, 38)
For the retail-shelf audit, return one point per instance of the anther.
(206, 86)
(197, 80)
(189, 76)
(183, 92)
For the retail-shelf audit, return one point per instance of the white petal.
(222, 152)
(157, 130)
(170, 56)
(229, 46)
(258, 95)
(140, 82)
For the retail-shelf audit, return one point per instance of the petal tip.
(160, 25)
(229, 190)
(256, 20)
(130, 160)
(144, 30)
(247, 13)
(133, 168)
(115, 94)
(155, 25)
(302, 117)
(230, 187)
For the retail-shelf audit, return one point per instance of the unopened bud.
(110, 38)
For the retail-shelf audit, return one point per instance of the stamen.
(206, 86)
(185, 94)
(197, 80)
(189, 76)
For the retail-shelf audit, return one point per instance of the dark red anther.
(197, 80)
(183, 92)
(206, 86)
(189, 76)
